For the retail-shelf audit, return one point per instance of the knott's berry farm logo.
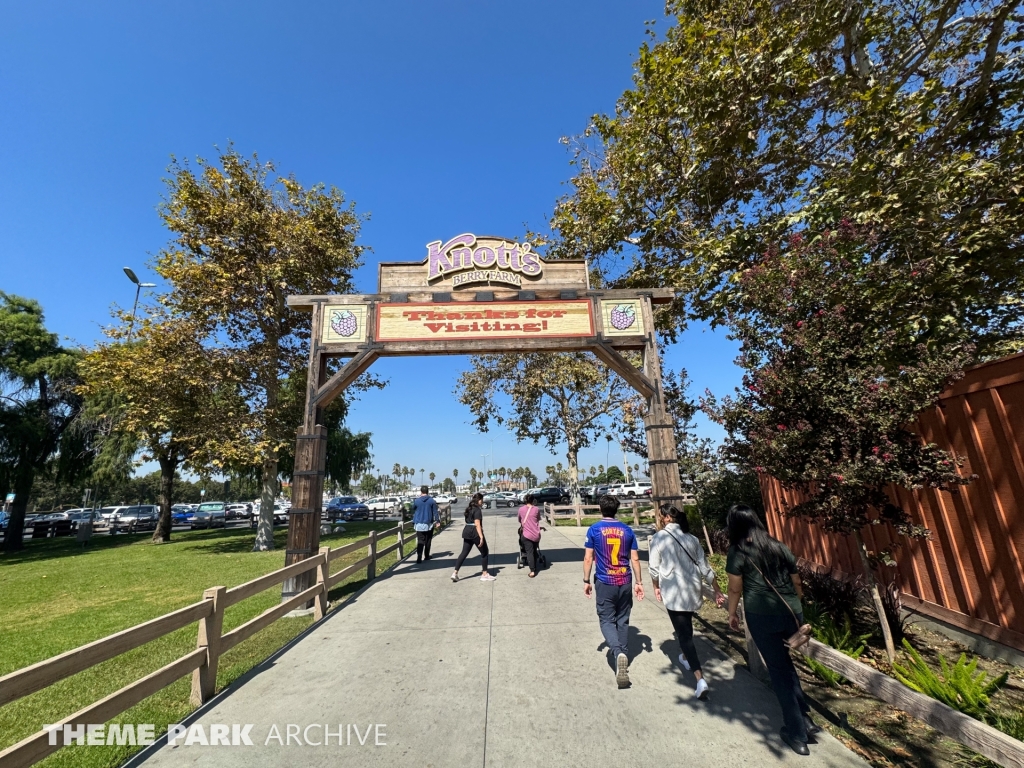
(471, 259)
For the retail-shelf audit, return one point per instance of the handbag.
(803, 633)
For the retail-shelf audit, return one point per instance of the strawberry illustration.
(623, 316)
(344, 323)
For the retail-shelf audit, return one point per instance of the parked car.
(347, 508)
(139, 518)
(180, 514)
(382, 503)
(211, 514)
(551, 495)
(84, 516)
(444, 498)
(109, 514)
(500, 499)
(238, 511)
(633, 489)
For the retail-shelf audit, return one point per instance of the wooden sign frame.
(345, 326)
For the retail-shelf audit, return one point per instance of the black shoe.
(812, 729)
(800, 747)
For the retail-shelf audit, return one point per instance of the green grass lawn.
(55, 596)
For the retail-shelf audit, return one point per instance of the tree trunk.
(168, 465)
(574, 473)
(265, 532)
(876, 598)
(23, 478)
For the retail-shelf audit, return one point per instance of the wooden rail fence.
(577, 511)
(211, 642)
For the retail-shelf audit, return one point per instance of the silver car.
(212, 514)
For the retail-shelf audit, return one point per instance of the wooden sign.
(345, 324)
(494, 320)
(468, 263)
(622, 317)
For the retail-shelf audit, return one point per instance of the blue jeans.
(614, 604)
(770, 633)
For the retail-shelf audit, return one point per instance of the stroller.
(522, 562)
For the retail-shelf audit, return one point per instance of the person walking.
(425, 520)
(613, 547)
(473, 535)
(678, 567)
(529, 521)
(763, 571)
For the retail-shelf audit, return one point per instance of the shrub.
(837, 635)
(960, 686)
(719, 540)
(836, 597)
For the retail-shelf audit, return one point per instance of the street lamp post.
(138, 287)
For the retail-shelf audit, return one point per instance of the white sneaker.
(701, 691)
(487, 577)
(684, 662)
(455, 576)
(622, 670)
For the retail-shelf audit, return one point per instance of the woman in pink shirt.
(529, 519)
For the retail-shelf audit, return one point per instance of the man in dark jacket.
(424, 519)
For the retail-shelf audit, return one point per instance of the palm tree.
(421, 475)
(432, 476)
(455, 474)
(529, 475)
(396, 470)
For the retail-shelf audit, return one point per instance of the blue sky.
(435, 117)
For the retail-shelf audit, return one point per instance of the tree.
(559, 398)
(171, 397)
(244, 239)
(432, 476)
(749, 117)
(455, 475)
(833, 379)
(39, 404)
(472, 478)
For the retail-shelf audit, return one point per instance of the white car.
(382, 503)
(444, 498)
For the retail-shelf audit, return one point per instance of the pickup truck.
(632, 490)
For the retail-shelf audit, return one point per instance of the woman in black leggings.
(473, 535)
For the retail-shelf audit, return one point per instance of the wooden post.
(371, 552)
(401, 536)
(636, 514)
(579, 515)
(320, 604)
(204, 679)
(661, 441)
(309, 469)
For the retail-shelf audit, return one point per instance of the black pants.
(423, 539)
(467, 547)
(682, 623)
(530, 547)
(770, 634)
(614, 604)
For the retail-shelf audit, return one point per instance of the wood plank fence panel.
(969, 572)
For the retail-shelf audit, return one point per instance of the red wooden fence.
(971, 572)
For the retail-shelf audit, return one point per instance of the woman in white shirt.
(679, 568)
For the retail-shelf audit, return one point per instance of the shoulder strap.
(776, 591)
(682, 547)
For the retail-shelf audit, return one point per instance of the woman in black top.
(763, 571)
(473, 535)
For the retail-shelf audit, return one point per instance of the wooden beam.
(975, 734)
(634, 377)
(348, 373)
(304, 303)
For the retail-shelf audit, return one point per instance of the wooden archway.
(472, 295)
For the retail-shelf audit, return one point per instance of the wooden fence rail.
(211, 641)
(577, 511)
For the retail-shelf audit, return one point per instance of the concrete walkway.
(510, 673)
